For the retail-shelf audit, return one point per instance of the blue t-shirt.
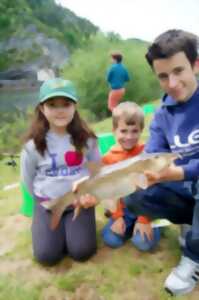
(117, 75)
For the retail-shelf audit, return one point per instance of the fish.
(110, 182)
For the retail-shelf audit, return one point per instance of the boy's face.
(127, 136)
(176, 76)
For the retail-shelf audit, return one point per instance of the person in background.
(128, 123)
(117, 76)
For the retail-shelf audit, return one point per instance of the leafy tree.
(88, 66)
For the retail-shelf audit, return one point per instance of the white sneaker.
(183, 278)
(184, 228)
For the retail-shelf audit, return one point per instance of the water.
(20, 100)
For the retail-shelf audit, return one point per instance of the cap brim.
(58, 94)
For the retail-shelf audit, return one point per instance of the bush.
(88, 67)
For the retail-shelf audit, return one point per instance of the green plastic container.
(148, 109)
(105, 141)
(27, 206)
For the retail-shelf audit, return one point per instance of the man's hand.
(119, 226)
(144, 230)
(172, 173)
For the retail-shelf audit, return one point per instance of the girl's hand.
(119, 226)
(87, 201)
(172, 173)
(144, 230)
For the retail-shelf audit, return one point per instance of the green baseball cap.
(57, 87)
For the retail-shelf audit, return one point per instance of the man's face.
(127, 136)
(176, 76)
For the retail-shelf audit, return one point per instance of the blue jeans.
(171, 202)
(115, 240)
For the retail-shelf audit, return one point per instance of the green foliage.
(87, 115)
(12, 127)
(12, 56)
(74, 30)
(49, 17)
(88, 67)
(103, 126)
(4, 61)
(17, 12)
(4, 21)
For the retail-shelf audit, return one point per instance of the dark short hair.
(117, 56)
(171, 42)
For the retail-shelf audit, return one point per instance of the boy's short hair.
(130, 112)
(117, 56)
(171, 42)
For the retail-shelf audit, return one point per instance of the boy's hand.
(172, 173)
(144, 230)
(119, 226)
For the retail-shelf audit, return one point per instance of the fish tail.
(55, 218)
(77, 211)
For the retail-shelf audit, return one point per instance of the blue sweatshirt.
(175, 128)
(117, 75)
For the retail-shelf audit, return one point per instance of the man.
(174, 193)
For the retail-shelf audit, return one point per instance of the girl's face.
(59, 112)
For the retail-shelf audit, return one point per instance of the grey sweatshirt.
(52, 175)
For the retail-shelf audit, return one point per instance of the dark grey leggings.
(76, 238)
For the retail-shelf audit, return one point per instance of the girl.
(57, 147)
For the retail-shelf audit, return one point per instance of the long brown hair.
(78, 129)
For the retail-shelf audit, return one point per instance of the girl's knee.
(83, 254)
(46, 258)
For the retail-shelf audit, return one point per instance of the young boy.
(175, 128)
(128, 123)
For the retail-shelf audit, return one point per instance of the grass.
(119, 274)
(12, 288)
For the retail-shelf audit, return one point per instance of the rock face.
(44, 56)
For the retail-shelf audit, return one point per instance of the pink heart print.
(73, 158)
